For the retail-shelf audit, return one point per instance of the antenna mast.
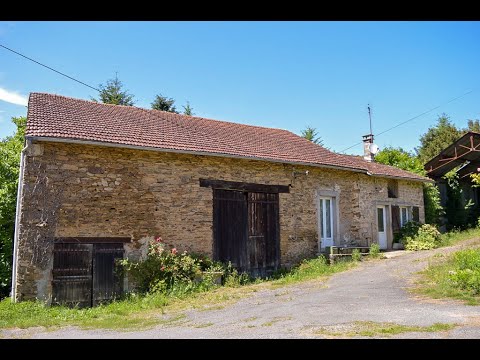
(370, 117)
(369, 148)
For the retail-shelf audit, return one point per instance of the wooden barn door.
(72, 275)
(246, 230)
(107, 285)
(230, 227)
(84, 274)
(263, 233)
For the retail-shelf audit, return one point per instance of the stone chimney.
(367, 141)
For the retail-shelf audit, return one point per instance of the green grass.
(454, 237)
(376, 329)
(27, 314)
(140, 312)
(312, 269)
(440, 280)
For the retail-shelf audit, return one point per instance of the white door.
(381, 225)
(326, 221)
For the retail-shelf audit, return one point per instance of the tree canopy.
(163, 103)
(10, 149)
(113, 93)
(400, 158)
(311, 133)
(437, 138)
(187, 109)
(473, 125)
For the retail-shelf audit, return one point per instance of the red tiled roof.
(54, 116)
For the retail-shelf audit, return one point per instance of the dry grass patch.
(377, 329)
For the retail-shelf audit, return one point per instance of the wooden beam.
(89, 240)
(242, 186)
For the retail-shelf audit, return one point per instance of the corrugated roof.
(55, 116)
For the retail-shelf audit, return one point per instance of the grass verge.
(376, 329)
(141, 312)
(456, 236)
(312, 269)
(455, 276)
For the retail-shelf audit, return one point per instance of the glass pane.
(381, 225)
(328, 209)
(322, 235)
(404, 216)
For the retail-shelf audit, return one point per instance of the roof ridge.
(58, 116)
(155, 110)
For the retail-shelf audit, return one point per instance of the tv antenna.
(370, 117)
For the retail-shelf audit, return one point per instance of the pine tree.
(187, 109)
(311, 133)
(112, 93)
(163, 103)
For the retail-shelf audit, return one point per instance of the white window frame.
(334, 196)
(323, 217)
(408, 217)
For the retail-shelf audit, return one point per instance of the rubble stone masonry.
(73, 190)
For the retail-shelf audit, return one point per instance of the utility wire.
(48, 67)
(415, 117)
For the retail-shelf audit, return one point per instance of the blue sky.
(275, 74)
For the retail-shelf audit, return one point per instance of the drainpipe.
(17, 219)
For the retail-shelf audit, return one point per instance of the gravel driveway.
(374, 291)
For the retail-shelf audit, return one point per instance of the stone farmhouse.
(98, 182)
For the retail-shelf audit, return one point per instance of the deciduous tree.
(437, 138)
(10, 149)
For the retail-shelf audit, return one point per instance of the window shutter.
(395, 218)
(416, 213)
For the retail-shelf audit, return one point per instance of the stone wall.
(92, 191)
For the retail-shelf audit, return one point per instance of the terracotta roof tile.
(63, 117)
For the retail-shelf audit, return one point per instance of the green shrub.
(356, 255)
(410, 229)
(374, 250)
(468, 259)
(206, 263)
(232, 278)
(425, 237)
(162, 269)
(466, 275)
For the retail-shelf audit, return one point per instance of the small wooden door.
(84, 274)
(230, 227)
(246, 230)
(107, 285)
(263, 233)
(72, 275)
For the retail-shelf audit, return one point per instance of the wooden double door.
(84, 274)
(246, 230)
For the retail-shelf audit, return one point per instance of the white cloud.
(13, 97)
